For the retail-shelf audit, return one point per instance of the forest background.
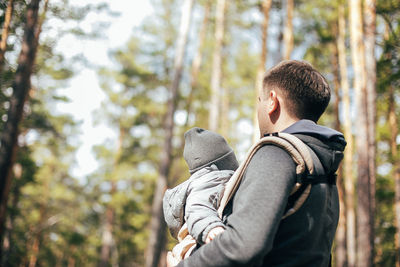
(187, 63)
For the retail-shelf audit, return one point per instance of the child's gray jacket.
(195, 202)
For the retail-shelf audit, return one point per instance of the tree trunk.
(197, 60)
(394, 130)
(38, 234)
(21, 86)
(196, 64)
(107, 238)
(348, 153)
(35, 251)
(340, 240)
(4, 33)
(217, 67)
(71, 261)
(41, 20)
(157, 225)
(278, 54)
(266, 6)
(288, 31)
(163, 260)
(225, 103)
(370, 68)
(8, 247)
(364, 223)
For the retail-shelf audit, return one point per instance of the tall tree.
(4, 33)
(216, 70)
(288, 31)
(364, 223)
(197, 60)
(41, 20)
(387, 85)
(30, 215)
(128, 108)
(340, 238)
(37, 235)
(21, 87)
(265, 8)
(157, 226)
(394, 130)
(108, 241)
(370, 69)
(348, 157)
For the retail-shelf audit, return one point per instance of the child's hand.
(171, 260)
(213, 233)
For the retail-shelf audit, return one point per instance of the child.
(211, 163)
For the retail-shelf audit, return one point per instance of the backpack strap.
(299, 152)
(307, 179)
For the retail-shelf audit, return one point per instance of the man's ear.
(273, 102)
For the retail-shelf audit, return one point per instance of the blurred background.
(95, 97)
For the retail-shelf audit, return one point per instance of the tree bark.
(225, 104)
(35, 252)
(38, 234)
(340, 239)
(266, 6)
(71, 261)
(8, 247)
(370, 68)
(394, 130)
(348, 153)
(278, 54)
(197, 60)
(41, 20)
(216, 71)
(21, 87)
(157, 225)
(364, 223)
(107, 236)
(288, 31)
(4, 33)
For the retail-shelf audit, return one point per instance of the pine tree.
(348, 157)
(21, 87)
(364, 223)
(5, 31)
(216, 71)
(157, 235)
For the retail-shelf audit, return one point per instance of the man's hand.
(171, 260)
(213, 233)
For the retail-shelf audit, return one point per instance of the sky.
(83, 89)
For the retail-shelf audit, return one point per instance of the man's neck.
(283, 123)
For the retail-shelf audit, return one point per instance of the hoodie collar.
(308, 127)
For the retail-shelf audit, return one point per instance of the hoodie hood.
(328, 144)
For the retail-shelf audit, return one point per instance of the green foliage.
(385, 231)
(134, 107)
(67, 216)
(46, 204)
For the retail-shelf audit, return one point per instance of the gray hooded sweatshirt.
(255, 234)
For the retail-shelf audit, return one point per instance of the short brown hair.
(305, 90)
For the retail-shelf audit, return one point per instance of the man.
(293, 98)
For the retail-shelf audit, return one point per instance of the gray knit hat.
(203, 148)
